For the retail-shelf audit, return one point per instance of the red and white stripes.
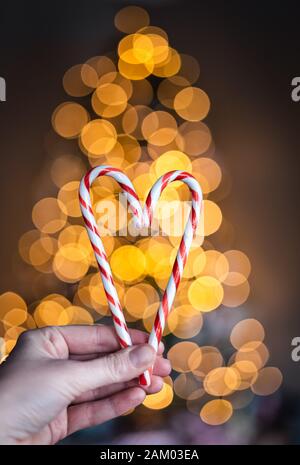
(184, 247)
(142, 218)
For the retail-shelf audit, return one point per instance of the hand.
(61, 379)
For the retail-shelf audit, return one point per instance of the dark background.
(248, 53)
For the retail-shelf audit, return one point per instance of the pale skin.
(59, 380)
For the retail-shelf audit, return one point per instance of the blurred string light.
(145, 131)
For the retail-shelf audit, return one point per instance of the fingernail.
(142, 356)
(160, 385)
(137, 395)
(161, 346)
(167, 364)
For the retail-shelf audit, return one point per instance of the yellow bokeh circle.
(128, 263)
(205, 293)
(98, 137)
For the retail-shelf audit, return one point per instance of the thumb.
(120, 366)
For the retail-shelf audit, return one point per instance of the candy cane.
(184, 247)
(142, 218)
(100, 254)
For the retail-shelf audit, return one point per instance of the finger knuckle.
(115, 406)
(116, 366)
(27, 336)
(48, 331)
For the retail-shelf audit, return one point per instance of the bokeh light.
(192, 104)
(205, 293)
(98, 137)
(128, 263)
(222, 381)
(187, 386)
(161, 399)
(204, 359)
(69, 118)
(73, 82)
(216, 412)
(131, 18)
(67, 168)
(246, 331)
(49, 215)
(185, 322)
(68, 196)
(179, 355)
(268, 381)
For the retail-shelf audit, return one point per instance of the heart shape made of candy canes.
(143, 218)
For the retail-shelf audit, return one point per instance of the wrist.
(5, 401)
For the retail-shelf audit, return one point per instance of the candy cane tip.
(145, 379)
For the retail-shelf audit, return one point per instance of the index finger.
(89, 339)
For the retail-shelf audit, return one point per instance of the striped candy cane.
(100, 254)
(184, 247)
(142, 218)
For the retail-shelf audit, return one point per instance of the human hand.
(60, 379)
